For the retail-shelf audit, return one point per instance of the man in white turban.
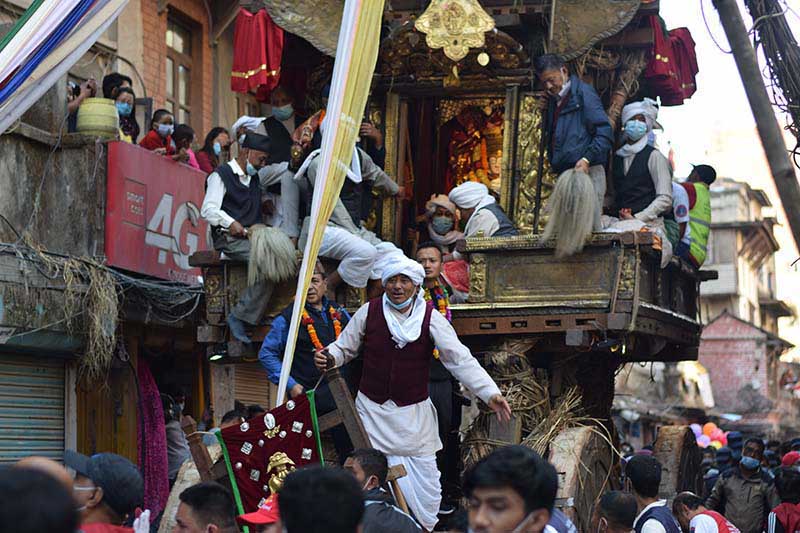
(397, 334)
(642, 175)
(480, 211)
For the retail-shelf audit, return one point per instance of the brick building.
(740, 345)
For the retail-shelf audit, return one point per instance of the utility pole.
(780, 165)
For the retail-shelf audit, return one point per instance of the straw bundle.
(272, 255)
(572, 209)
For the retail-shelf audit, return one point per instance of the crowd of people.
(511, 490)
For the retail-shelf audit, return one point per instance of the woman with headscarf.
(442, 218)
(395, 335)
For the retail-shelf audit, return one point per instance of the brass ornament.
(477, 278)
(279, 467)
(454, 25)
(530, 131)
(483, 59)
(270, 433)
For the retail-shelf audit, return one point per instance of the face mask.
(251, 170)
(217, 149)
(635, 129)
(516, 529)
(124, 109)
(401, 305)
(749, 463)
(165, 130)
(442, 225)
(283, 112)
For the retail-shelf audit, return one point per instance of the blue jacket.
(582, 129)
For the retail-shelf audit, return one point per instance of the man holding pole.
(398, 333)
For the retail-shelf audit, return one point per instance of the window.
(179, 71)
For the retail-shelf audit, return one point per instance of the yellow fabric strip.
(251, 73)
(356, 55)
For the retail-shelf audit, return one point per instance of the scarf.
(408, 330)
(447, 239)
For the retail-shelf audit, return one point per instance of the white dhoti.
(615, 225)
(409, 435)
(421, 487)
(355, 255)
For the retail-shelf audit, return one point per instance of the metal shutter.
(31, 407)
(252, 385)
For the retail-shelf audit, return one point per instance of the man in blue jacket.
(578, 133)
(320, 325)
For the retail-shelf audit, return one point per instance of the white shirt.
(411, 430)
(482, 220)
(703, 523)
(212, 210)
(652, 525)
(658, 165)
(680, 208)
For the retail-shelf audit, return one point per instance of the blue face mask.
(165, 130)
(283, 112)
(251, 170)
(401, 305)
(749, 463)
(124, 109)
(217, 149)
(635, 129)
(442, 225)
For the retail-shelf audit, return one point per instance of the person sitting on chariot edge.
(231, 205)
(480, 212)
(398, 333)
(346, 239)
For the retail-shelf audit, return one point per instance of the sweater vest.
(663, 515)
(634, 189)
(507, 229)
(241, 202)
(392, 373)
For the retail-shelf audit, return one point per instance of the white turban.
(400, 264)
(646, 107)
(471, 194)
(249, 123)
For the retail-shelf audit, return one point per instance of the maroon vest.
(392, 373)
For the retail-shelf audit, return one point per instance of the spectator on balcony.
(184, 137)
(113, 82)
(76, 94)
(125, 100)
(159, 138)
(215, 150)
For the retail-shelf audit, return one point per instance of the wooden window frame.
(194, 61)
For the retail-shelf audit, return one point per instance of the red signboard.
(153, 219)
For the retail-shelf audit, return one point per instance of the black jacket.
(382, 516)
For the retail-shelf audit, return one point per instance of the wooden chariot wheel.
(677, 451)
(584, 462)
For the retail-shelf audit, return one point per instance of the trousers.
(254, 299)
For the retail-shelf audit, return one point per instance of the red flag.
(263, 450)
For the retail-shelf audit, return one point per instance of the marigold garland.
(308, 322)
(441, 300)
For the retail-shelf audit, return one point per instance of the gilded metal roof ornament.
(454, 25)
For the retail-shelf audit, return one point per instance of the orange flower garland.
(308, 322)
(441, 300)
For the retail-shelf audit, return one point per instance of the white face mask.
(517, 529)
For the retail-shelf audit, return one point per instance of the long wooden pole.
(783, 172)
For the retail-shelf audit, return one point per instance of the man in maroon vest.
(398, 333)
